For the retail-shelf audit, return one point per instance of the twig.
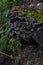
(4, 54)
(8, 56)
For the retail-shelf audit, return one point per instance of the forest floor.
(29, 55)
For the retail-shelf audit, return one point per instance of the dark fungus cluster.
(20, 24)
(23, 26)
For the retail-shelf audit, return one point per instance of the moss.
(37, 14)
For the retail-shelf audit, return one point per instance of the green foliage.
(7, 44)
(13, 44)
(5, 5)
(3, 41)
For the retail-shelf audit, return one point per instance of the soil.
(5, 61)
(28, 55)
